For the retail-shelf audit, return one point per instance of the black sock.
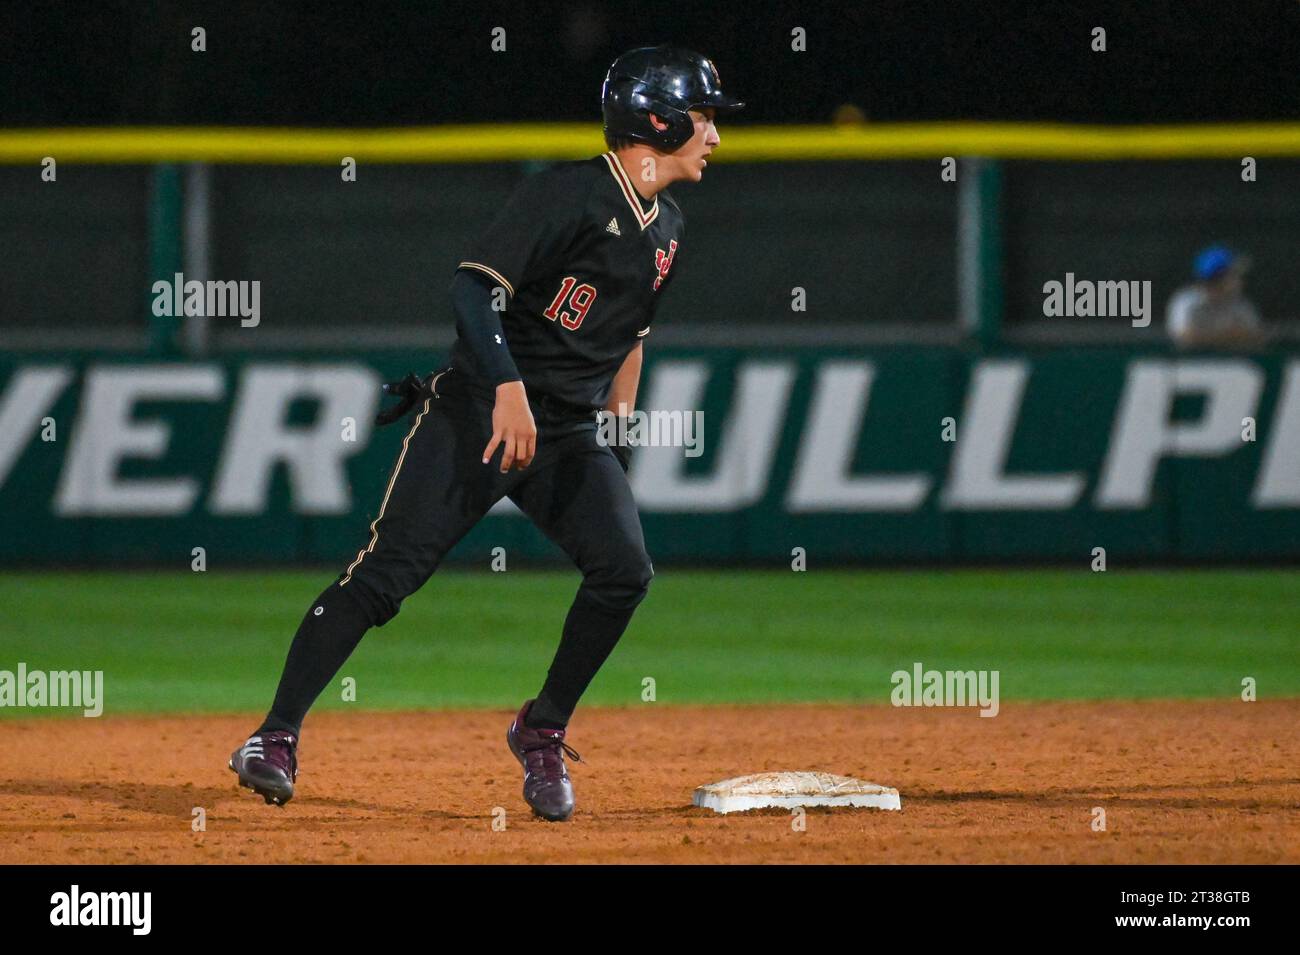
(590, 633)
(329, 632)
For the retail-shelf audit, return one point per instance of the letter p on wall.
(1145, 431)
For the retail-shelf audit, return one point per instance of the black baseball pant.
(575, 491)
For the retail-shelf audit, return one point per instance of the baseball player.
(552, 304)
(1214, 312)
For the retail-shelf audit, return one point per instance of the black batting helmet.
(664, 80)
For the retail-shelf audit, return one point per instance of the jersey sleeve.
(1180, 317)
(533, 229)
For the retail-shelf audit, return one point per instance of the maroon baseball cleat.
(541, 752)
(268, 765)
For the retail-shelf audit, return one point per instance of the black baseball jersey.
(584, 260)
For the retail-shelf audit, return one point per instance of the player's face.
(693, 155)
(1226, 285)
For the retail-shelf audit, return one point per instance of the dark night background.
(397, 233)
(333, 64)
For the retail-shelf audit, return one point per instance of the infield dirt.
(1180, 782)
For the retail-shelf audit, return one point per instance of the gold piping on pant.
(374, 525)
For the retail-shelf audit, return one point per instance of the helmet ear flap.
(680, 125)
(627, 115)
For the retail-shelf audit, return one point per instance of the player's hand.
(512, 427)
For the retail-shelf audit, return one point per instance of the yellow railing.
(572, 140)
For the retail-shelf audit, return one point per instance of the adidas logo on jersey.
(613, 228)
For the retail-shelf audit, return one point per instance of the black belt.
(412, 389)
(556, 409)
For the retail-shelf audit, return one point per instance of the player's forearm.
(479, 327)
(1222, 338)
(623, 389)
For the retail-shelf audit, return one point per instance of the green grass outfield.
(215, 641)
